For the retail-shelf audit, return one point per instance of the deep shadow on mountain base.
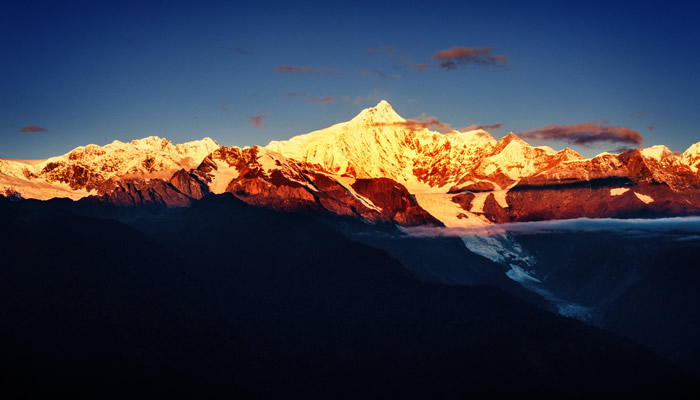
(641, 284)
(226, 298)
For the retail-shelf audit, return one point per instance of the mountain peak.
(383, 104)
(511, 137)
(381, 114)
(507, 140)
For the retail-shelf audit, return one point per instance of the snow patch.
(222, 176)
(618, 191)
(269, 162)
(441, 206)
(499, 248)
(501, 195)
(478, 202)
(346, 182)
(646, 199)
(519, 274)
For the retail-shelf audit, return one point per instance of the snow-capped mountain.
(378, 142)
(691, 157)
(379, 167)
(85, 170)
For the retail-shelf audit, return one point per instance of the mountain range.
(377, 167)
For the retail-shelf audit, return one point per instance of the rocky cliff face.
(263, 177)
(141, 192)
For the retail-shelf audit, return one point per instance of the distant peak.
(151, 141)
(569, 154)
(694, 149)
(657, 152)
(512, 137)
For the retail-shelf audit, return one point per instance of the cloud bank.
(680, 226)
(454, 57)
(585, 133)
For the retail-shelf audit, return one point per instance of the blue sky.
(73, 73)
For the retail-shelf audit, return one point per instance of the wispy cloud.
(453, 57)
(358, 99)
(288, 69)
(403, 61)
(377, 94)
(640, 114)
(32, 129)
(313, 99)
(420, 67)
(425, 122)
(382, 49)
(489, 127)
(585, 133)
(241, 51)
(369, 72)
(256, 120)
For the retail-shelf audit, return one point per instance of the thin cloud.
(420, 67)
(358, 99)
(403, 61)
(241, 51)
(489, 127)
(382, 49)
(585, 133)
(313, 99)
(426, 122)
(368, 72)
(640, 114)
(373, 97)
(32, 129)
(256, 120)
(288, 69)
(454, 57)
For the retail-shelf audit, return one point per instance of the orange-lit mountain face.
(378, 167)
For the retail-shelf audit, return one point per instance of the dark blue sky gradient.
(89, 72)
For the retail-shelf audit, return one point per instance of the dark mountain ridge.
(222, 297)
